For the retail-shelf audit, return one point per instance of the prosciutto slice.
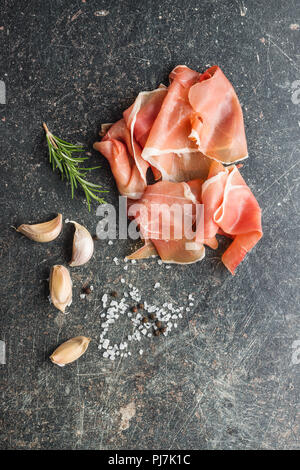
(161, 215)
(124, 156)
(239, 215)
(217, 122)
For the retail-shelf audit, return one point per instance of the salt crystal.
(159, 262)
(92, 288)
(67, 221)
(156, 285)
(133, 261)
(106, 343)
(141, 351)
(105, 354)
(110, 242)
(115, 260)
(125, 267)
(82, 296)
(123, 281)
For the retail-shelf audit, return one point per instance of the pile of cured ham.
(189, 135)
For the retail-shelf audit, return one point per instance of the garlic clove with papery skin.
(83, 245)
(60, 286)
(45, 232)
(70, 351)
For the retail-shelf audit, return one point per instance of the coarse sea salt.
(115, 308)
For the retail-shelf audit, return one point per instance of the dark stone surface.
(227, 377)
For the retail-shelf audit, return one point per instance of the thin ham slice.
(168, 147)
(163, 227)
(124, 156)
(217, 121)
(185, 133)
(140, 116)
(239, 215)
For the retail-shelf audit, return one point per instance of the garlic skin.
(70, 351)
(45, 232)
(60, 286)
(83, 245)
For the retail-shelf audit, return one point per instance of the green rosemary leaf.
(61, 156)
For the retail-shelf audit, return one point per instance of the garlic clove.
(45, 232)
(83, 245)
(60, 287)
(70, 351)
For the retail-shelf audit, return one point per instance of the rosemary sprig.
(61, 156)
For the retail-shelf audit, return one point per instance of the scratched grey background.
(228, 377)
